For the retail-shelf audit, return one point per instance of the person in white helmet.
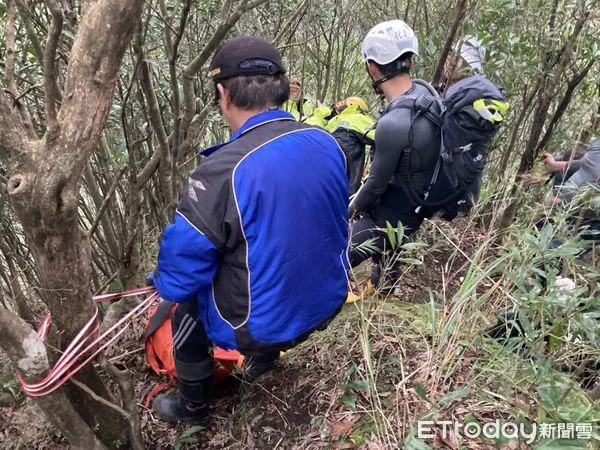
(388, 51)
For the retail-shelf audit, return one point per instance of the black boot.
(173, 408)
(191, 403)
(375, 276)
(259, 364)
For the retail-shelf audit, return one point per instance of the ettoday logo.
(507, 430)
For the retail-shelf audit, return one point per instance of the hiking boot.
(375, 275)
(258, 365)
(378, 283)
(507, 326)
(191, 403)
(385, 281)
(173, 408)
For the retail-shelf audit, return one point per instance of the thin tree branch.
(190, 71)
(123, 378)
(297, 16)
(29, 89)
(26, 18)
(10, 38)
(181, 28)
(9, 68)
(459, 15)
(99, 399)
(226, 8)
(51, 89)
(156, 120)
(148, 170)
(193, 138)
(564, 103)
(173, 46)
(108, 235)
(106, 200)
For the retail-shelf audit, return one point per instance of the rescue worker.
(353, 128)
(256, 255)
(297, 105)
(388, 51)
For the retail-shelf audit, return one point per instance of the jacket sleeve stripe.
(190, 223)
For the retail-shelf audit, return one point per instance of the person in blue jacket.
(257, 252)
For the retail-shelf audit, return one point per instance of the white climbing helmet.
(388, 41)
(472, 51)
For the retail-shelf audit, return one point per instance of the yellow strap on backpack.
(492, 110)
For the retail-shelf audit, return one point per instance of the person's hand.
(150, 278)
(549, 160)
(555, 201)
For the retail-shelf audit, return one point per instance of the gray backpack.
(468, 117)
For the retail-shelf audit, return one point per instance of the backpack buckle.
(424, 102)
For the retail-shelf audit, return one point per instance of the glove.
(150, 277)
(322, 111)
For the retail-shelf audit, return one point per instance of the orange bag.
(159, 346)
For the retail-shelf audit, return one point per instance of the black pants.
(192, 345)
(190, 342)
(380, 250)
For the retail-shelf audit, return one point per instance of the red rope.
(157, 389)
(81, 345)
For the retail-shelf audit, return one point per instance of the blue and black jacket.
(260, 237)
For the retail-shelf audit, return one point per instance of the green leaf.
(391, 234)
(421, 392)
(350, 370)
(456, 395)
(317, 421)
(350, 400)
(414, 245)
(555, 444)
(358, 385)
(187, 437)
(413, 261)
(413, 443)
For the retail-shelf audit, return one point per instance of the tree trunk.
(562, 106)
(44, 179)
(552, 69)
(28, 354)
(459, 15)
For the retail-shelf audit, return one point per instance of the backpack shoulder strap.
(428, 105)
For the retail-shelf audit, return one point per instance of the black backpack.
(468, 116)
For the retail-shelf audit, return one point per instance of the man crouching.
(257, 252)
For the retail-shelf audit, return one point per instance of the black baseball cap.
(245, 56)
